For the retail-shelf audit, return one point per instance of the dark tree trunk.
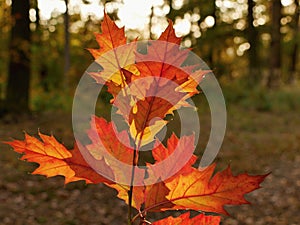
(37, 14)
(38, 42)
(253, 39)
(275, 51)
(17, 91)
(211, 59)
(294, 56)
(67, 45)
(151, 36)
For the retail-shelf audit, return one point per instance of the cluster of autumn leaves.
(145, 88)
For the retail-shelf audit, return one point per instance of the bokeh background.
(252, 46)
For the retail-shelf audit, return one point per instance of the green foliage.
(285, 99)
(261, 99)
(51, 101)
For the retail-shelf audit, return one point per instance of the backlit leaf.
(54, 159)
(198, 190)
(114, 55)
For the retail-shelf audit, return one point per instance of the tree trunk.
(37, 42)
(275, 51)
(253, 39)
(210, 58)
(17, 91)
(294, 56)
(67, 46)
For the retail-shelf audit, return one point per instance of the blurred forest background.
(251, 45)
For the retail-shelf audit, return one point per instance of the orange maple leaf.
(186, 187)
(112, 37)
(145, 105)
(184, 148)
(155, 194)
(170, 84)
(105, 138)
(114, 55)
(113, 147)
(198, 190)
(54, 159)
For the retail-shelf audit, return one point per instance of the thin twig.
(130, 192)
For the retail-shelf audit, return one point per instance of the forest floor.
(256, 142)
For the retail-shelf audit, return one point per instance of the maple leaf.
(146, 116)
(83, 170)
(165, 59)
(113, 147)
(177, 163)
(143, 114)
(54, 159)
(156, 193)
(114, 55)
(105, 139)
(166, 88)
(184, 219)
(198, 190)
(112, 36)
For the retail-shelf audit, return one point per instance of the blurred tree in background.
(275, 48)
(252, 41)
(17, 91)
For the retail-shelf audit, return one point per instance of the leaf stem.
(130, 192)
(129, 211)
(134, 160)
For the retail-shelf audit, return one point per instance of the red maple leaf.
(164, 85)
